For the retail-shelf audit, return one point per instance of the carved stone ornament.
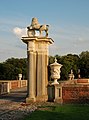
(35, 26)
(55, 71)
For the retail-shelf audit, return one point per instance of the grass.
(60, 112)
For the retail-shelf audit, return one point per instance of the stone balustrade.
(7, 85)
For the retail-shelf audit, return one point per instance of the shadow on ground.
(16, 95)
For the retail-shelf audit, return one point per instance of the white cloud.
(81, 39)
(20, 32)
(70, 39)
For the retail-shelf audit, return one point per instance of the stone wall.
(71, 91)
(75, 94)
(7, 85)
(17, 84)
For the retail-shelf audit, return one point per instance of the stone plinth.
(37, 55)
(55, 93)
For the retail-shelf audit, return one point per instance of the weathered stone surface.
(35, 26)
(37, 52)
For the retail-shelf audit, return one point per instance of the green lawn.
(60, 112)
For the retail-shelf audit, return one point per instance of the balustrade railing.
(6, 86)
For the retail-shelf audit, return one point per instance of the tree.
(14, 66)
(69, 62)
(10, 69)
(84, 64)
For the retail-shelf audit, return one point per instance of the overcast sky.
(68, 20)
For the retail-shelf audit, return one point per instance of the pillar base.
(43, 98)
(30, 100)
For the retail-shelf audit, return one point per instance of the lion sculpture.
(35, 26)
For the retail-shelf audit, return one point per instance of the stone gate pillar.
(37, 56)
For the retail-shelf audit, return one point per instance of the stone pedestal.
(55, 93)
(37, 56)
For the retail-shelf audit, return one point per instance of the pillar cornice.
(37, 39)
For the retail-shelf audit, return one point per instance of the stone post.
(8, 87)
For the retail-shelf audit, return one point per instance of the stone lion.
(35, 26)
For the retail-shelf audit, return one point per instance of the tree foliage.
(69, 62)
(84, 64)
(10, 69)
(74, 62)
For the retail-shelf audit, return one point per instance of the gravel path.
(13, 106)
(15, 111)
